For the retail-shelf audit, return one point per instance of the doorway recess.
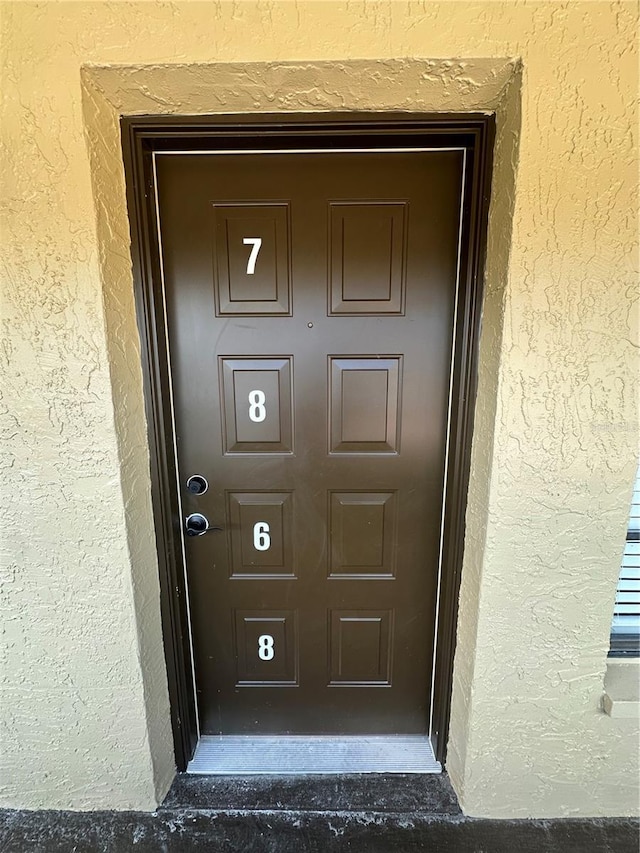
(200, 748)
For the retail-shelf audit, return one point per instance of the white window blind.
(625, 628)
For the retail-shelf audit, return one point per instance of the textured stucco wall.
(84, 707)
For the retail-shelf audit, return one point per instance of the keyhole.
(197, 484)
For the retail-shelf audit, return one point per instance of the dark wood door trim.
(141, 136)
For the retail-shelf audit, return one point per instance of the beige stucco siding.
(84, 706)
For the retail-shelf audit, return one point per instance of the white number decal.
(255, 243)
(257, 411)
(265, 647)
(261, 538)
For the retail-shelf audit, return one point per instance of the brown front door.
(310, 302)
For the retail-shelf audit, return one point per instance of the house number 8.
(257, 410)
(261, 538)
(265, 647)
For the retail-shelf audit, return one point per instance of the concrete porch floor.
(313, 814)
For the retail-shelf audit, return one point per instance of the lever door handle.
(197, 524)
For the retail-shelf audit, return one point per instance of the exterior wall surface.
(84, 708)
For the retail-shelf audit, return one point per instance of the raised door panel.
(364, 404)
(367, 257)
(257, 405)
(266, 647)
(362, 531)
(261, 526)
(251, 254)
(360, 648)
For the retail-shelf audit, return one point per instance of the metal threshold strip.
(314, 754)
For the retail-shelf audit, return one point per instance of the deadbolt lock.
(197, 484)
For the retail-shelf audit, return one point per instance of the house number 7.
(255, 243)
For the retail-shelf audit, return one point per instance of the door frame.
(141, 136)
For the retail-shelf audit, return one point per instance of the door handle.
(197, 524)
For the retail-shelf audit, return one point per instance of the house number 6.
(257, 410)
(265, 647)
(261, 538)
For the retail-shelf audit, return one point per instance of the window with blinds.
(625, 628)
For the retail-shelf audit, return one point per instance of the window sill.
(622, 688)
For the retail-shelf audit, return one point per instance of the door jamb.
(143, 134)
